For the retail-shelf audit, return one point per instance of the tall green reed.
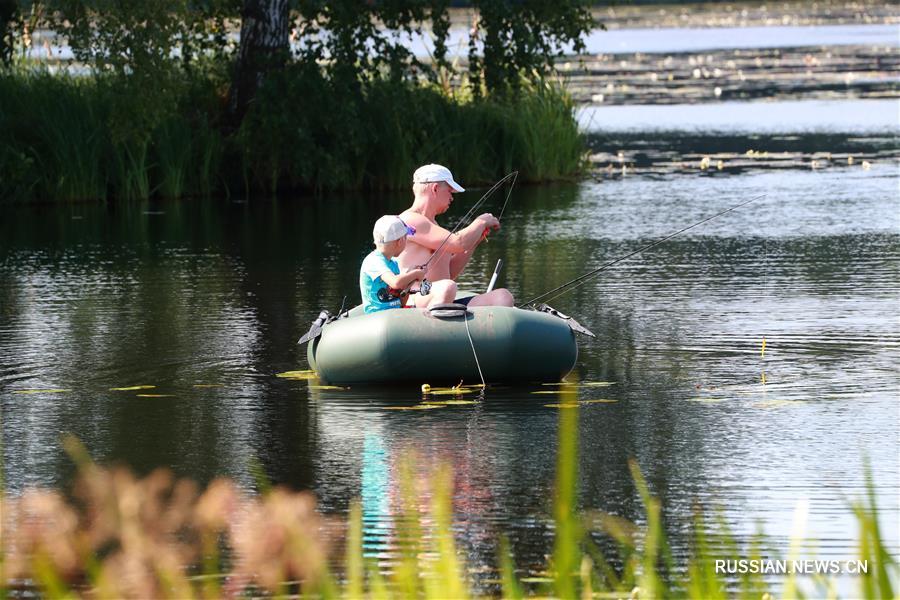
(66, 138)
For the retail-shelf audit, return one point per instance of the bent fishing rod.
(513, 175)
(574, 283)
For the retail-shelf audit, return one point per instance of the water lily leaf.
(309, 374)
(450, 402)
(554, 392)
(155, 395)
(328, 387)
(132, 388)
(449, 391)
(563, 405)
(48, 391)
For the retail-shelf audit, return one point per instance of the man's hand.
(490, 221)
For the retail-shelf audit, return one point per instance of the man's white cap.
(389, 228)
(432, 172)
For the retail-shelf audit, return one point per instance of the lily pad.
(132, 388)
(450, 402)
(155, 395)
(563, 405)
(449, 392)
(309, 374)
(328, 387)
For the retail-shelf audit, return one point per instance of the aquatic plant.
(63, 137)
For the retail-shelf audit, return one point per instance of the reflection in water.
(375, 494)
(216, 296)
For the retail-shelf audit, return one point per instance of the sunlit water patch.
(786, 116)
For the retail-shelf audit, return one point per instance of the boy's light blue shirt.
(370, 281)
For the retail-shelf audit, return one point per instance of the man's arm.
(431, 235)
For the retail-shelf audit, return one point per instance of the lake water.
(670, 40)
(618, 41)
(859, 117)
(178, 295)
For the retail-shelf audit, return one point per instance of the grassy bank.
(66, 138)
(157, 537)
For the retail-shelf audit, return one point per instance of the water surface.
(861, 117)
(180, 295)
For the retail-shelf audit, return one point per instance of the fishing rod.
(513, 175)
(562, 289)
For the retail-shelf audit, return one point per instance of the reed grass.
(121, 536)
(71, 138)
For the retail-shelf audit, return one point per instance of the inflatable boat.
(446, 344)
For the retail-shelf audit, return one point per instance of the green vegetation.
(58, 145)
(159, 537)
(166, 104)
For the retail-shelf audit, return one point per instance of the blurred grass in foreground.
(122, 537)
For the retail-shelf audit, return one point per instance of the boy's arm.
(398, 282)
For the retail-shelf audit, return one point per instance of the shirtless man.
(433, 189)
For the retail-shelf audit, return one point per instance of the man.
(433, 189)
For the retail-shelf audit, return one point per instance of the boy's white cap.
(432, 172)
(389, 228)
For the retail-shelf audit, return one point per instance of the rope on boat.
(475, 354)
(451, 310)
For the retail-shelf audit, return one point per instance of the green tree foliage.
(520, 38)
(144, 50)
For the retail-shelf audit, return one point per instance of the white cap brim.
(456, 187)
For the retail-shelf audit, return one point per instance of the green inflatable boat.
(441, 345)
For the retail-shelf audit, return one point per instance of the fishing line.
(578, 281)
(514, 175)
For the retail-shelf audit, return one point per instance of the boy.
(379, 272)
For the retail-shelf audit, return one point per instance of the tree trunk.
(265, 27)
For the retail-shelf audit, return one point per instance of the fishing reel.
(387, 294)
